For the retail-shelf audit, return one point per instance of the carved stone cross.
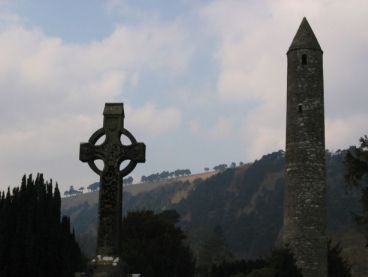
(112, 152)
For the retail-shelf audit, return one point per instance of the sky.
(203, 82)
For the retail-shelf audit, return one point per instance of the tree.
(128, 181)
(237, 268)
(206, 169)
(220, 167)
(187, 172)
(156, 177)
(233, 165)
(154, 246)
(177, 173)
(94, 186)
(81, 189)
(213, 251)
(34, 240)
(281, 263)
(164, 174)
(337, 265)
(356, 163)
(73, 191)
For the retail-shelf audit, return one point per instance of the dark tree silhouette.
(356, 163)
(213, 251)
(281, 263)
(154, 246)
(73, 191)
(337, 265)
(220, 167)
(34, 241)
(94, 186)
(156, 177)
(128, 181)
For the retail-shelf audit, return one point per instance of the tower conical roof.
(305, 38)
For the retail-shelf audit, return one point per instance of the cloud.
(223, 129)
(7, 18)
(53, 92)
(221, 67)
(340, 130)
(263, 130)
(194, 126)
(149, 121)
(252, 40)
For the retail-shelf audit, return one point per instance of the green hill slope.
(246, 202)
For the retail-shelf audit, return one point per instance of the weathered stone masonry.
(305, 191)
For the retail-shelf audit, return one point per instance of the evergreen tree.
(237, 268)
(281, 263)
(337, 265)
(33, 240)
(213, 251)
(154, 246)
(356, 163)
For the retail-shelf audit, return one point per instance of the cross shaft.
(112, 152)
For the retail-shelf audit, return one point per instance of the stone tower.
(305, 177)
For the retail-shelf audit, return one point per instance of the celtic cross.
(112, 152)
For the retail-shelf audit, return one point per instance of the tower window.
(300, 108)
(304, 59)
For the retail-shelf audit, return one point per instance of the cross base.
(108, 271)
(104, 267)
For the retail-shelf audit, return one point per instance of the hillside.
(92, 197)
(245, 202)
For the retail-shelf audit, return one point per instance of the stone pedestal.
(104, 267)
(107, 267)
(108, 271)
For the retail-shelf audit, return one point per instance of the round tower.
(305, 176)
